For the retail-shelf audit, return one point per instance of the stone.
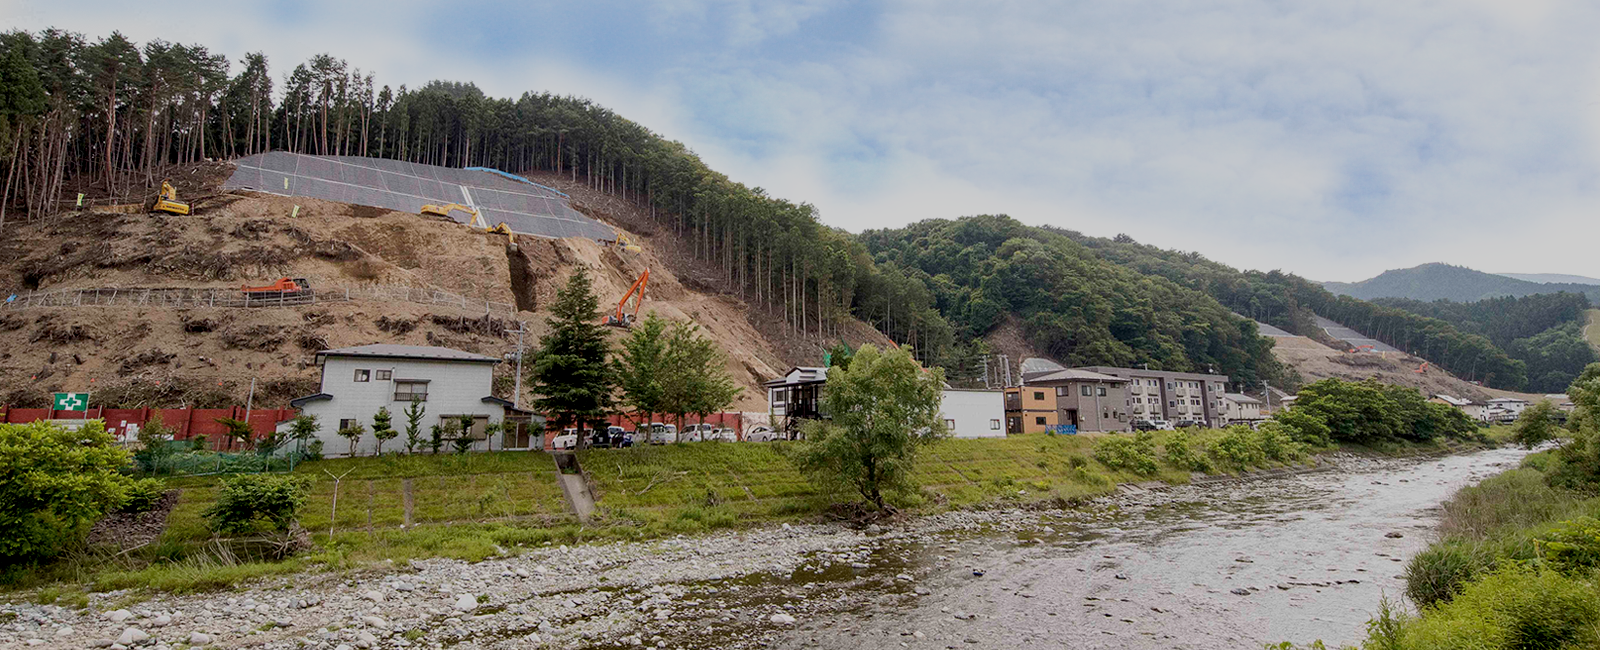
(466, 602)
(199, 638)
(1239, 591)
(65, 631)
(118, 616)
(1120, 577)
(523, 573)
(977, 573)
(904, 577)
(533, 638)
(131, 636)
(782, 619)
(374, 596)
(161, 621)
(375, 621)
(1394, 534)
(344, 646)
(101, 643)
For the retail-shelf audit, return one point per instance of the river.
(1296, 559)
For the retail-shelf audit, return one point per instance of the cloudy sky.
(1331, 138)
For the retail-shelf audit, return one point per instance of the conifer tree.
(573, 376)
(382, 428)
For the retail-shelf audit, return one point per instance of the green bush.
(246, 501)
(1238, 447)
(1512, 608)
(1182, 455)
(1572, 547)
(52, 483)
(1135, 454)
(1278, 443)
(142, 495)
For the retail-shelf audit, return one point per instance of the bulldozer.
(625, 320)
(284, 288)
(167, 201)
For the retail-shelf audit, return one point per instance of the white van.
(568, 439)
(663, 434)
(700, 433)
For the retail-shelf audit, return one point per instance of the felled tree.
(573, 375)
(382, 427)
(884, 408)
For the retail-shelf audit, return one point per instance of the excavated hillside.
(1314, 361)
(410, 279)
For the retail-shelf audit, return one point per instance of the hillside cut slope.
(411, 280)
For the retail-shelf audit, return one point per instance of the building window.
(406, 391)
(346, 423)
(1084, 391)
(363, 375)
(1039, 420)
(1038, 395)
(1171, 403)
(1061, 391)
(1171, 385)
(994, 425)
(385, 375)
(950, 425)
(1101, 391)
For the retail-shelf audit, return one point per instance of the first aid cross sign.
(71, 401)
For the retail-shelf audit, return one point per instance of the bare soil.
(1317, 361)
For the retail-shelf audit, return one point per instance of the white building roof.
(1240, 398)
(1075, 374)
(1453, 400)
(390, 351)
(1507, 400)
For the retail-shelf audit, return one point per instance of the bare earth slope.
(1316, 361)
(133, 354)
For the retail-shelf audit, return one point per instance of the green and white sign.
(71, 401)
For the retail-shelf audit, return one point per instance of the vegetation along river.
(1296, 558)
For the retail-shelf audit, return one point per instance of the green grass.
(1591, 330)
(478, 505)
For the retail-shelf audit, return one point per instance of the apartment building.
(1062, 400)
(1171, 396)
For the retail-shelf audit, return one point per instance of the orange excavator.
(620, 319)
(283, 288)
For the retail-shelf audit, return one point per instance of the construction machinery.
(621, 319)
(626, 244)
(446, 209)
(167, 201)
(284, 288)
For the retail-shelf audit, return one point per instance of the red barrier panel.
(186, 422)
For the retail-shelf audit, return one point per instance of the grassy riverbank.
(473, 506)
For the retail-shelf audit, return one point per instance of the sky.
(1330, 138)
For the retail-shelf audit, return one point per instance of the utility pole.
(986, 372)
(516, 397)
(1266, 392)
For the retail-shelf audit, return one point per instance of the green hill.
(1436, 281)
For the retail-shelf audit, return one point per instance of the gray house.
(357, 381)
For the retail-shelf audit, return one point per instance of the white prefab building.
(1510, 405)
(1239, 407)
(974, 413)
(357, 381)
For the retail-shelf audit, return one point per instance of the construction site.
(226, 279)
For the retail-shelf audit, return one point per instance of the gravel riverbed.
(1100, 574)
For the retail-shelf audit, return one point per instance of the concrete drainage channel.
(574, 485)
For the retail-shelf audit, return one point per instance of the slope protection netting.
(527, 208)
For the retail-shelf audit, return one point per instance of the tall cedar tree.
(573, 375)
(643, 369)
(383, 428)
(414, 425)
(885, 407)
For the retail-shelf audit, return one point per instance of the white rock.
(366, 637)
(101, 643)
(199, 638)
(65, 631)
(131, 636)
(523, 573)
(118, 616)
(782, 619)
(374, 596)
(35, 641)
(533, 638)
(161, 621)
(374, 621)
(344, 646)
(466, 602)
(117, 646)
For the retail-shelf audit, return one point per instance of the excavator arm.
(620, 319)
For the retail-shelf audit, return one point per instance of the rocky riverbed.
(1213, 566)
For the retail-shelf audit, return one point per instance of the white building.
(1239, 407)
(974, 413)
(1511, 405)
(357, 381)
(1472, 409)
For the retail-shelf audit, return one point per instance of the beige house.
(1241, 409)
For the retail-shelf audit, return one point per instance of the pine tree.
(382, 428)
(414, 425)
(573, 375)
(644, 367)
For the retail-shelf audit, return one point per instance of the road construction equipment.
(501, 228)
(167, 201)
(284, 288)
(446, 209)
(627, 245)
(620, 319)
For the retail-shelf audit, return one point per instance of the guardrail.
(181, 298)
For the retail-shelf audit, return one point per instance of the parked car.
(622, 439)
(661, 434)
(567, 439)
(1184, 424)
(599, 440)
(725, 434)
(701, 432)
(1144, 425)
(1160, 424)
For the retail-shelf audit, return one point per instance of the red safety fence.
(187, 422)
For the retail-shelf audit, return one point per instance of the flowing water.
(1297, 558)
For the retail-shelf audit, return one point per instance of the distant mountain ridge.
(1436, 281)
(1558, 278)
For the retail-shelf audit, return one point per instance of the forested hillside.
(110, 118)
(1288, 301)
(1429, 282)
(1544, 331)
(1073, 306)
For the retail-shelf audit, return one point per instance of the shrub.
(142, 495)
(52, 483)
(1238, 447)
(1513, 607)
(1573, 547)
(1135, 454)
(1181, 454)
(246, 501)
(1277, 443)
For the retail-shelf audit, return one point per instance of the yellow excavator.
(446, 209)
(627, 245)
(167, 201)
